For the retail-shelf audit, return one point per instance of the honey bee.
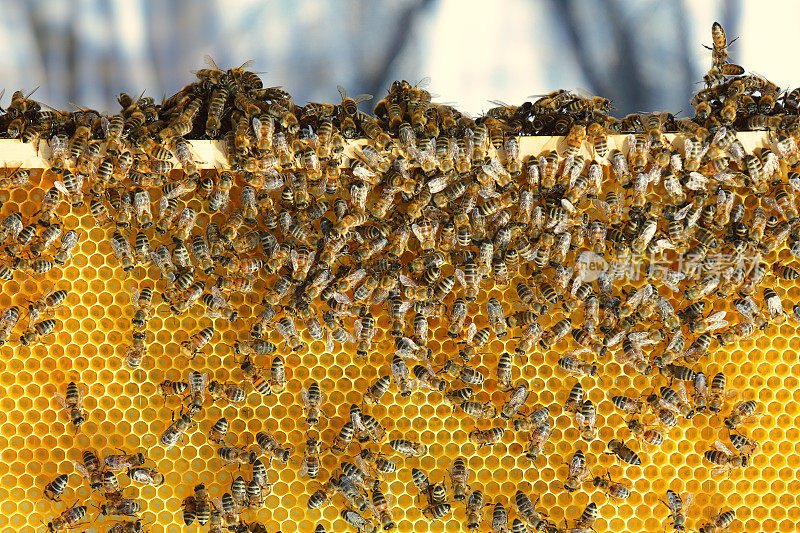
(377, 390)
(382, 503)
(353, 518)
(197, 342)
(116, 462)
(69, 519)
(725, 459)
(71, 186)
(475, 504)
(586, 418)
(234, 455)
(37, 331)
(218, 431)
(408, 448)
(54, 489)
(202, 508)
(488, 437)
(499, 518)
(313, 398)
(175, 431)
(228, 391)
(148, 476)
(719, 522)
(578, 471)
(742, 412)
(577, 367)
(623, 452)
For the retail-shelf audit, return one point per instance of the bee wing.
(225, 201)
(676, 340)
(689, 498)
(256, 123)
(682, 392)
(715, 472)
(399, 369)
(304, 396)
(721, 447)
(417, 231)
(682, 212)
(603, 207)
(774, 305)
(61, 187)
(745, 309)
(303, 466)
(669, 406)
(580, 419)
(701, 384)
(724, 201)
(357, 328)
(408, 282)
(471, 331)
(134, 295)
(81, 468)
(219, 298)
(688, 144)
(630, 141)
(342, 298)
(61, 400)
(356, 276)
(329, 345)
(460, 277)
(773, 204)
(363, 465)
(674, 502)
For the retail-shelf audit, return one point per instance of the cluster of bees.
(102, 477)
(430, 213)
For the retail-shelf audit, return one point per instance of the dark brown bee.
(623, 452)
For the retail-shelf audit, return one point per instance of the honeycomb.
(127, 412)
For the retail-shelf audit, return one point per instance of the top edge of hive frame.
(210, 154)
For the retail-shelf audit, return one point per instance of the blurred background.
(643, 54)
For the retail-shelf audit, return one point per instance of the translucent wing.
(399, 369)
(303, 467)
(701, 384)
(362, 464)
(677, 340)
(716, 321)
(668, 405)
(329, 344)
(210, 62)
(61, 400)
(682, 392)
(304, 396)
(61, 187)
(81, 468)
(219, 298)
(342, 298)
(471, 331)
(689, 498)
(356, 276)
(460, 277)
(134, 295)
(683, 211)
(674, 502)
(721, 447)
